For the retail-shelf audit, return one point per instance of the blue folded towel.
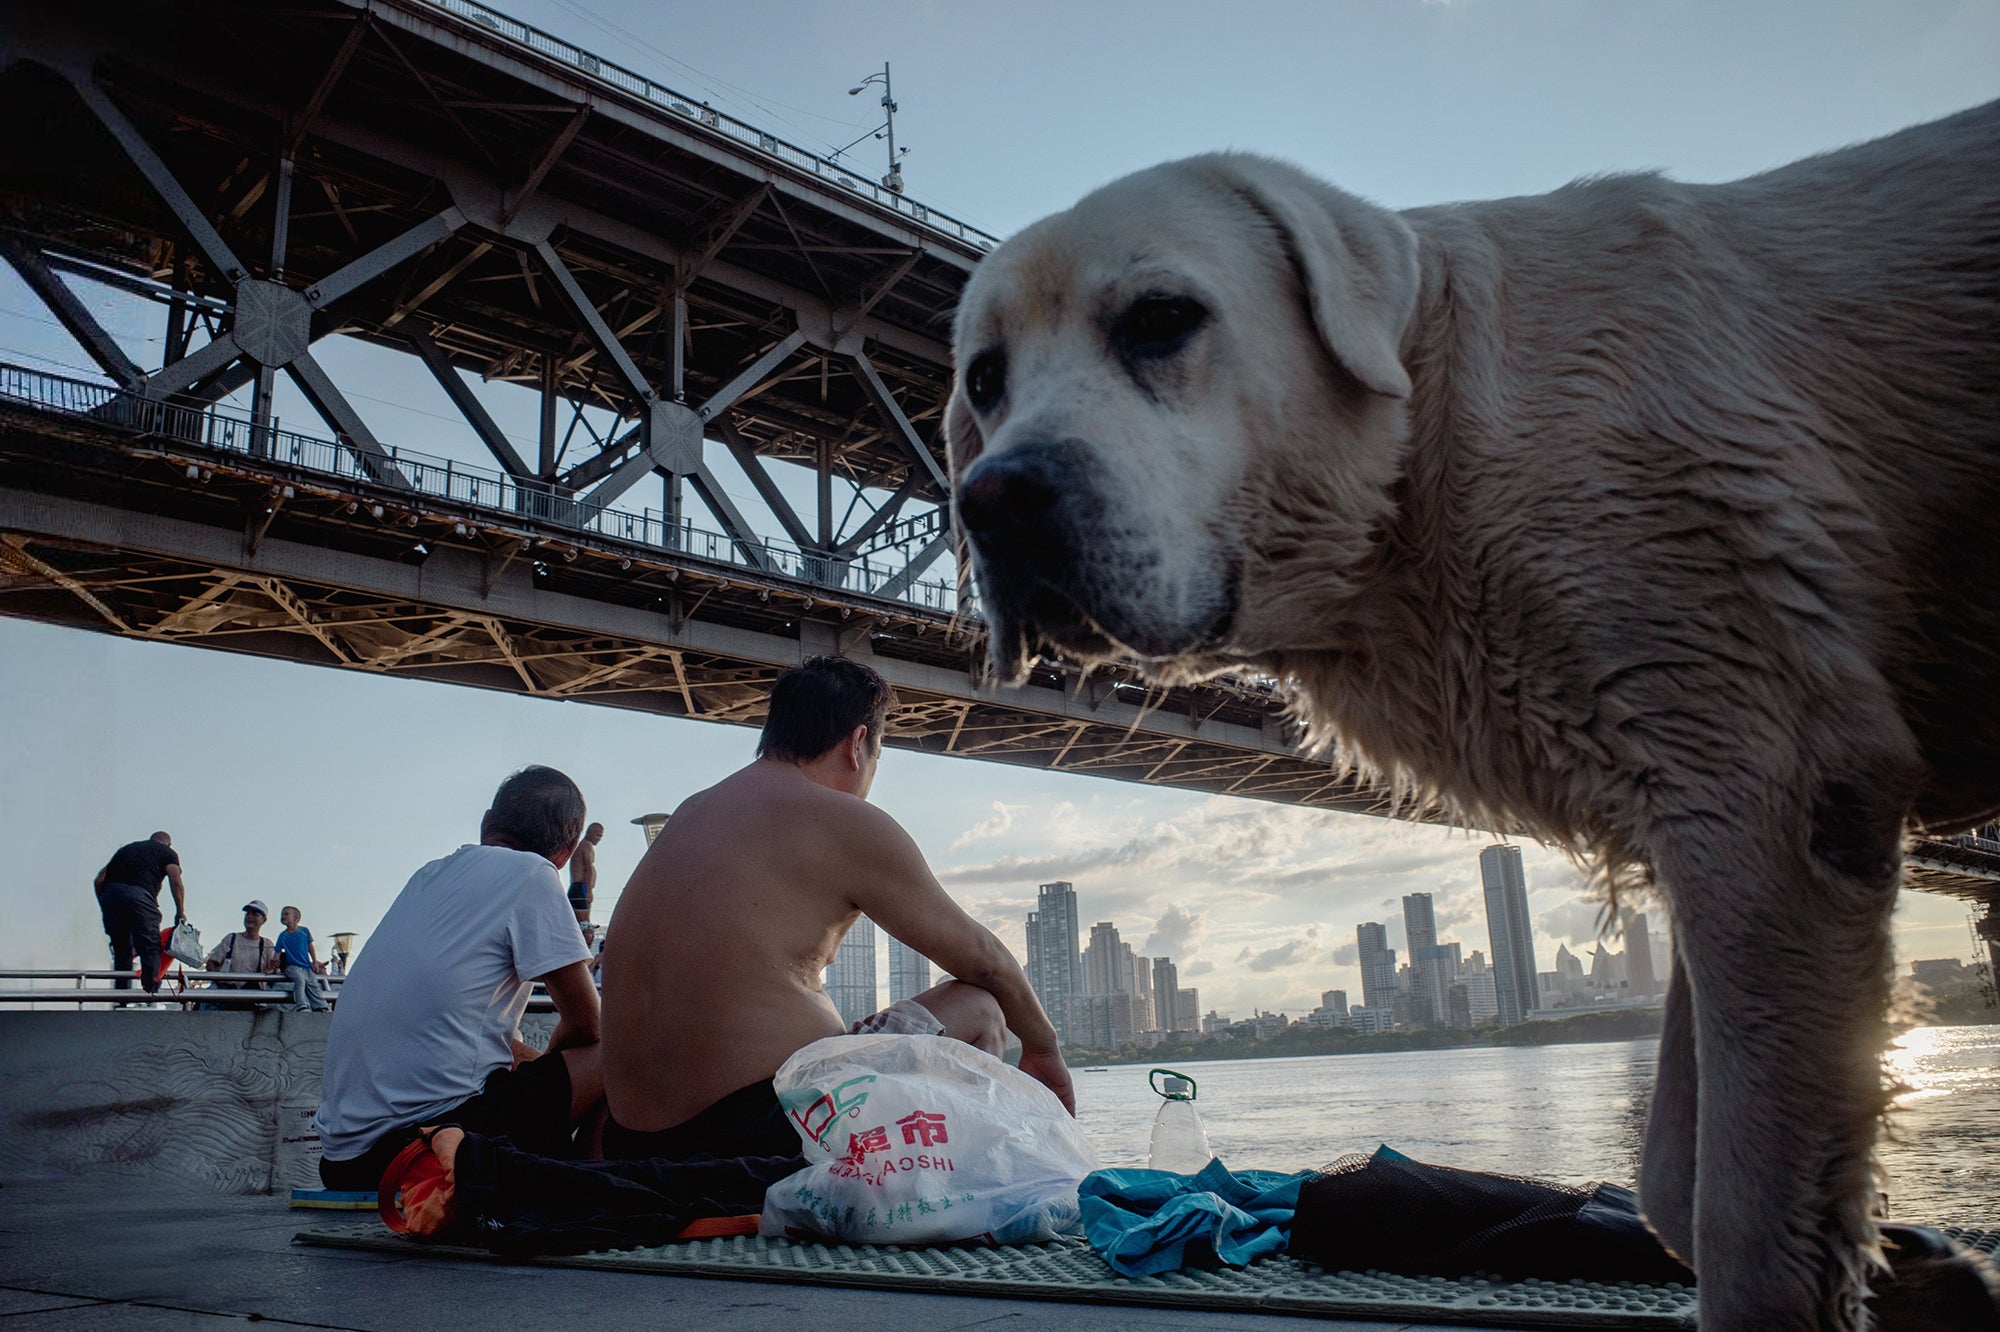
(1149, 1221)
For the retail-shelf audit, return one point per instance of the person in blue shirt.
(300, 961)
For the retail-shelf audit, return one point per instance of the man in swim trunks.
(738, 907)
(583, 873)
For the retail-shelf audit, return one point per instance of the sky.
(327, 789)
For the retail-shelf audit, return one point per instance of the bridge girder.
(628, 260)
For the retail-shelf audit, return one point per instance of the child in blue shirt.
(301, 963)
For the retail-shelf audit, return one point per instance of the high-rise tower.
(1378, 964)
(1167, 1016)
(1509, 930)
(1420, 931)
(1055, 971)
(909, 972)
(850, 981)
(1107, 963)
(1639, 977)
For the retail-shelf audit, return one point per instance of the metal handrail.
(134, 997)
(227, 430)
(187, 987)
(638, 85)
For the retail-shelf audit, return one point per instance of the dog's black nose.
(1012, 493)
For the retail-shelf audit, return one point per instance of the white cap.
(256, 904)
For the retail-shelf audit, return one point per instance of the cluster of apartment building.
(1102, 994)
(851, 984)
(1438, 984)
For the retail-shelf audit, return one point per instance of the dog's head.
(1178, 413)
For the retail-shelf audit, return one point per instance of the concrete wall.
(221, 1100)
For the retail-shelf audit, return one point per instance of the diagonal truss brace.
(740, 533)
(14, 551)
(189, 214)
(72, 313)
(751, 375)
(593, 323)
(335, 410)
(914, 570)
(192, 368)
(767, 489)
(468, 404)
(545, 163)
(384, 257)
(899, 424)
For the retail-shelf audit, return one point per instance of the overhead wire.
(724, 89)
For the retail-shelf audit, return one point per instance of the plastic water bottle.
(1180, 1143)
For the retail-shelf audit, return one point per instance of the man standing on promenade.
(583, 873)
(128, 896)
(739, 906)
(427, 1030)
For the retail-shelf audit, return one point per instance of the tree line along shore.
(1620, 1025)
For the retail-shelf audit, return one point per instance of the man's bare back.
(712, 975)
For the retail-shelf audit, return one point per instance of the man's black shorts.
(528, 1106)
(579, 896)
(747, 1122)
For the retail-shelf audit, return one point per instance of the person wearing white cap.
(245, 951)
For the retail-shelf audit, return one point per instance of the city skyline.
(327, 789)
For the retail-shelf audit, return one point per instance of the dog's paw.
(1934, 1284)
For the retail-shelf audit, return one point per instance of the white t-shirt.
(428, 1007)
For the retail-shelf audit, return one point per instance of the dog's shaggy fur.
(1660, 520)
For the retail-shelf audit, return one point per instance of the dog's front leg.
(1667, 1169)
(1782, 902)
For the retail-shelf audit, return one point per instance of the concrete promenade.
(134, 1254)
(143, 1159)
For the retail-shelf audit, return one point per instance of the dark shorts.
(579, 895)
(747, 1122)
(528, 1106)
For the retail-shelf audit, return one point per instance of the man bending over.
(739, 906)
(427, 1030)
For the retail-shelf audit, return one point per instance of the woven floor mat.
(1070, 1270)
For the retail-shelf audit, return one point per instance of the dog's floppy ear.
(1357, 263)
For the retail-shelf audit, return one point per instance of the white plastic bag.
(184, 945)
(924, 1140)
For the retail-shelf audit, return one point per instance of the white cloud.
(1179, 933)
(985, 829)
(1577, 921)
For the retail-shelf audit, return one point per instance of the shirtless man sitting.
(738, 907)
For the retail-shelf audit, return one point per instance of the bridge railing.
(227, 430)
(847, 178)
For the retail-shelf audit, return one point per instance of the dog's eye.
(985, 378)
(1157, 325)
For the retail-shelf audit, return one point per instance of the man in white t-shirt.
(427, 1030)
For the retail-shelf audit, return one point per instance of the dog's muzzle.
(1029, 513)
(1055, 564)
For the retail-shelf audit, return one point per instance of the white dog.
(1661, 520)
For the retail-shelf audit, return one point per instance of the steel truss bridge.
(441, 181)
(437, 179)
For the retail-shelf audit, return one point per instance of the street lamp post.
(894, 180)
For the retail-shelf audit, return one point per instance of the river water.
(1568, 1112)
